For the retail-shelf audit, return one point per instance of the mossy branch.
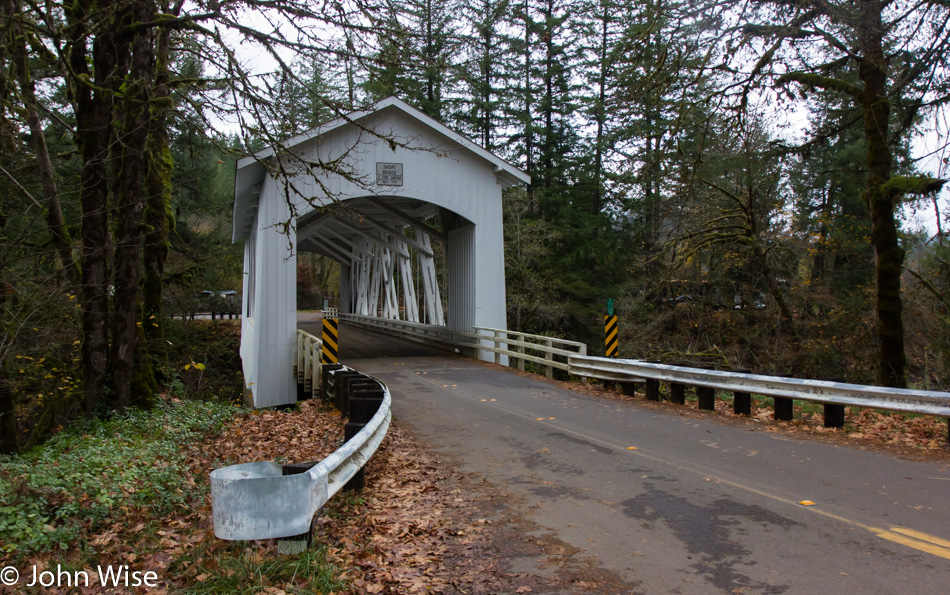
(929, 287)
(819, 81)
(898, 186)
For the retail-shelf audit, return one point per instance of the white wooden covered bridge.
(402, 182)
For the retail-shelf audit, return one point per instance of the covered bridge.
(375, 191)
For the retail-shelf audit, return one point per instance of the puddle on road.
(707, 533)
(580, 441)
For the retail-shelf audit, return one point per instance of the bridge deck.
(357, 343)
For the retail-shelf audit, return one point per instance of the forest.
(746, 179)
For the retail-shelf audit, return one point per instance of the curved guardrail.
(259, 501)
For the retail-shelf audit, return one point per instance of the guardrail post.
(834, 412)
(834, 415)
(742, 401)
(359, 480)
(329, 384)
(783, 409)
(344, 388)
(629, 389)
(520, 350)
(678, 393)
(354, 387)
(364, 404)
(706, 397)
(295, 544)
(652, 386)
(549, 369)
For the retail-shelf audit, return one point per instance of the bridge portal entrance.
(403, 188)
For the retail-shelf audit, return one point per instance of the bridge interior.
(387, 251)
(358, 344)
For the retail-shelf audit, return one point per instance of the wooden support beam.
(408, 219)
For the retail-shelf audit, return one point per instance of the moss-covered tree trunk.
(889, 256)
(93, 112)
(129, 207)
(158, 208)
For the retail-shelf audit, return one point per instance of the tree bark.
(93, 111)
(158, 212)
(9, 442)
(128, 233)
(884, 237)
(528, 123)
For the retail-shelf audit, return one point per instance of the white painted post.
(520, 349)
(298, 358)
(549, 370)
(315, 349)
(583, 353)
(307, 366)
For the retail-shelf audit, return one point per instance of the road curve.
(675, 501)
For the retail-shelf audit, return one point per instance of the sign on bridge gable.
(388, 174)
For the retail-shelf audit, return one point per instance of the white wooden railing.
(548, 352)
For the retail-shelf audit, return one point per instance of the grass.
(84, 476)
(242, 569)
(132, 483)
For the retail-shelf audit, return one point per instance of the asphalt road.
(674, 501)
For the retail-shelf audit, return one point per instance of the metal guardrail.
(258, 501)
(834, 395)
(519, 347)
(837, 393)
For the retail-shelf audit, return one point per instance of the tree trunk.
(547, 104)
(528, 101)
(889, 255)
(54, 213)
(158, 213)
(486, 71)
(9, 442)
(128, 233)
(600, 116)
(93, 112)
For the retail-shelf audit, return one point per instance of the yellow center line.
(920, 541)
(911, 538)
(922, 536)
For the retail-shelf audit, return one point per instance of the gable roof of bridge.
(250, 171)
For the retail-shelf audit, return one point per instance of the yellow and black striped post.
(331, 334)
(610, 334)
